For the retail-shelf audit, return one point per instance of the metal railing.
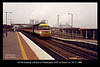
(87, 34)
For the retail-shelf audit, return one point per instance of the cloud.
(42, 12)
(83, 13)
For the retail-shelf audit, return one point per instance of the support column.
(86, 35)
(68, 32)
(76, 33)
(6, 24)
(93, 34)
(81, 33)
(72, 33)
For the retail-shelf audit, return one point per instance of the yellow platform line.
(22, 49)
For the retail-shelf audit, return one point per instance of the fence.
(75, 33)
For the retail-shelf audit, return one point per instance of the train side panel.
(43, 33)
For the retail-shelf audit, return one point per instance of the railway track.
(44, 46)
(83, 52)
(61, 50)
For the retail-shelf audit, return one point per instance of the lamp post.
(10, 24)
(10, 21)
(6, 21)
(71, 19)
(58, 21)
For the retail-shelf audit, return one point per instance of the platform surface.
(16, 46)
(11, 47)
(94, 42)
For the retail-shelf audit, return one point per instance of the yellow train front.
(42, 29)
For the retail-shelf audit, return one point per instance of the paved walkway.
(17, 46)
(11, 47)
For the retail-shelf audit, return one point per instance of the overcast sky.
(84, 13)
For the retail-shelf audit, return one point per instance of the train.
(42, 29)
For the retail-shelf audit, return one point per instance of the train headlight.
(40, 32)
(50, 31)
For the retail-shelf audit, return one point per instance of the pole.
(72, 21)
(93, 34)
(11, 23)
(6, 21)
(86, 35)
(6, 24)
(58, 21)
(81, 33)
(76, 33)
(72, 33)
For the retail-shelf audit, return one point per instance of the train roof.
(41, 24)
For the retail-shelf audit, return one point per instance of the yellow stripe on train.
(43, 25)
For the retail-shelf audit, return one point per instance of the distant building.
(43, 20)
(32, 21)
(36, 21)
(20, 26)
(66, 25)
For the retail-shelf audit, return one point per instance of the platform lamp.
(6, 20)
(10, 23)
(71, 19)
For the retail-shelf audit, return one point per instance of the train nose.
(45, 33)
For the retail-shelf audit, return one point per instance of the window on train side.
(44, 28)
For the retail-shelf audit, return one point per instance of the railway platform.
(94, 42)
(16, 46)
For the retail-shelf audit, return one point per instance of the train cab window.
(44, 28)
(35, 28)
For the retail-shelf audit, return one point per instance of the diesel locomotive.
(42, 29)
